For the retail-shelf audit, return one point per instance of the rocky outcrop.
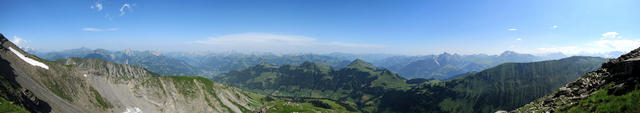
(619, 72)
(109, 68)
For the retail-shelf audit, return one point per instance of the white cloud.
(264, 42)
(344, 44)
(518, 39)
(569, 50)
(19, 41)
(97, 6)
(610, 35)
(124, 9)
(616, 45)
(253, 39)
(554, 26)
(602, 46)
(98, 29)
(512, 29)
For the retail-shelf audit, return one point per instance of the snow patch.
(133, 110)
(435, 59)
(29, 60)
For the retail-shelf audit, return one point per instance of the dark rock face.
(621, 72)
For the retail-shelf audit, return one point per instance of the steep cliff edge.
(612, 88)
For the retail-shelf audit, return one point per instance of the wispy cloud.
(518, 39)
(125, 7)
(97, 6)
(610, 35)
(554, 27)
(19, 41)
(265, 42)
(512, 29)
(98, 29)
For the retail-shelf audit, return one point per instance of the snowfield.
(29, 60)
(133, 110)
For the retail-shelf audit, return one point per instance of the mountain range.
(444, 66)
(447, 66)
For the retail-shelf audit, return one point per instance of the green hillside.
(503, 87)
(358, 83)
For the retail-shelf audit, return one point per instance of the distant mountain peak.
(128, 52)
(361, 63)
(445, 54)
(508, 52)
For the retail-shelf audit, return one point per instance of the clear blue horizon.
(411, 27)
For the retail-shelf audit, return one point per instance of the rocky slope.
(612, 88)
(90, 85)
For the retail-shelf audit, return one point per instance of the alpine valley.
(319, 56)
(84, 80)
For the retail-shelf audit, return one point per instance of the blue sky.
(411, 27)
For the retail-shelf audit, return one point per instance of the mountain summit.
(359, 63)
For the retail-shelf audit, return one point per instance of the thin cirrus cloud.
(265, 42)
(125, 7)
(512, 29)
(90, 29)
(554, 27)
(122, 9)
(97, 6)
